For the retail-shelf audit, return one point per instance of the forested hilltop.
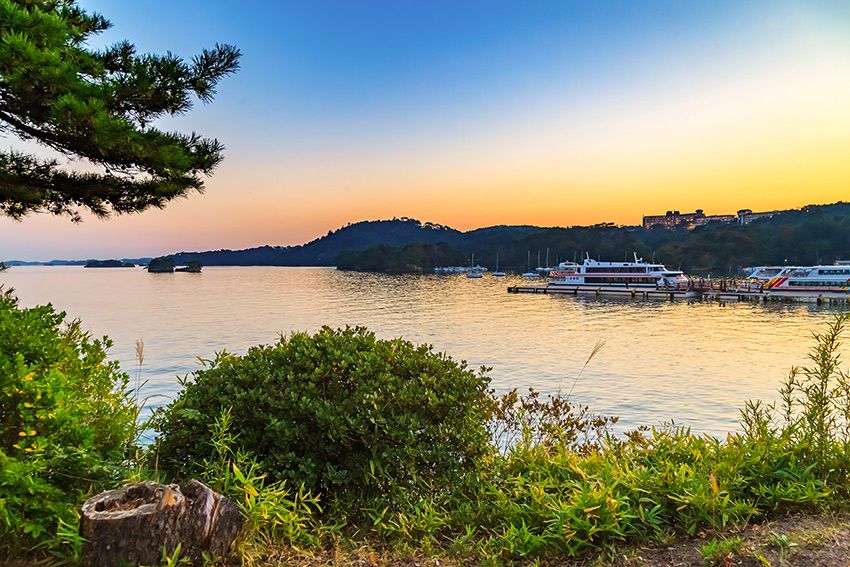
(813, 234)
(323, 251)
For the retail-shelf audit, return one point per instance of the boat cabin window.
(621, 281)
(615, 270)
(816, 283)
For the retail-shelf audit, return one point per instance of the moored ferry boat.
(563, 270)
(600, 275)
(763, 273)
(811, 282)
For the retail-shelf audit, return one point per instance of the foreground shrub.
(66, 420)
(523, 478)
(341, 412)
(814, 410)
(274, 514)
(540, 502)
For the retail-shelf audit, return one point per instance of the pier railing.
(722, 285)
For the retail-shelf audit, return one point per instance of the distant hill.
(812, 234)
(136, 261)
(396, 233)
(323, 251)
(410, 259)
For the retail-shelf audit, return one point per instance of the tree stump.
(134, 524)
(212, 523)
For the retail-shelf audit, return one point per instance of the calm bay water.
(694, 364)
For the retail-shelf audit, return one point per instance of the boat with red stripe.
(811, 281)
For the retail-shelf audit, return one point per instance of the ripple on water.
(694, 364)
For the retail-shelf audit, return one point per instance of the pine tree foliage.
(98, 106)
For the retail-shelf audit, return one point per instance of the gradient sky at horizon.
(482, 112)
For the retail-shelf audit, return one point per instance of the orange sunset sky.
(547, 114)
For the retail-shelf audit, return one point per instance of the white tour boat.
(811, 282)
(593, 274)
(763, 273)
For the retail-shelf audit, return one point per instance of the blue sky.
(458, 112)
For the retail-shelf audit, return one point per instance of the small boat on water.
(811, 282)
(497, 273)
(599, 275)
(475, 271)
(529, 275)
(543, 271)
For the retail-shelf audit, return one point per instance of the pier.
(697, 290)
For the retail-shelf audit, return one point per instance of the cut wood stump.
(134, 524)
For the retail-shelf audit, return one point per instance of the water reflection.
(692, 363)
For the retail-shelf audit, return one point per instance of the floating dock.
(719, 293)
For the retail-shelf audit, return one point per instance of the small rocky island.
(161, 265)
(108, 264)
(166, 265)
(193, 266)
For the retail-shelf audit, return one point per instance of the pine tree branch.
(29, 185)
(97, 105)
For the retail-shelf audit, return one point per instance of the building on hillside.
(746, 216)
(673, 219)
(725, 219)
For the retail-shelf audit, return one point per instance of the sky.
(478, 113)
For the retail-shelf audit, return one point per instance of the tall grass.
(813, 414)
(558, 483)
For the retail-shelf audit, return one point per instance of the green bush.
(66, 421)
(340, 412)
(386, 422)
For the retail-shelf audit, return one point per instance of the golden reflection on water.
(694, 364)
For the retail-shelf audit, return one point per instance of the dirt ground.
(793, 541)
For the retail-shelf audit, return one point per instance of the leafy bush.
(340, 412)
(66, 420)
(436, 464)
(531, 422)
(273, 513)
(814, 410)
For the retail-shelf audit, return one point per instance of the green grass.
(554, 484)
(718, 551)
(563, 487)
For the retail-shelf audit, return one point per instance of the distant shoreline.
(814, 234)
